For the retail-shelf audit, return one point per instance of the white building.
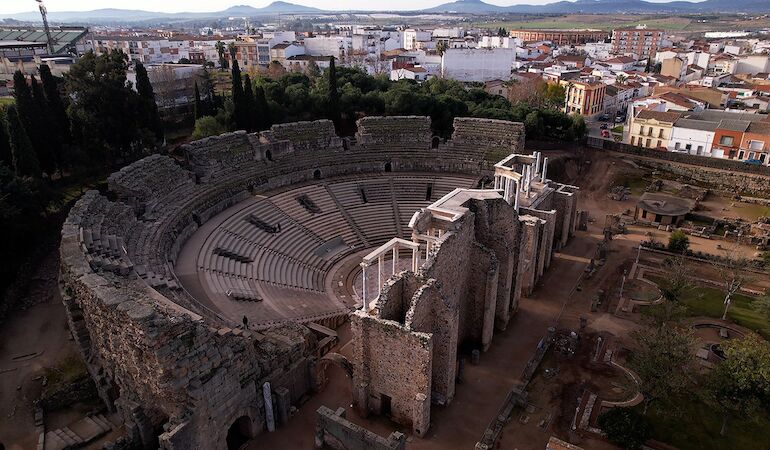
(327, 45)
(598, 50)
(692, 136)
(478, 64)
(410, 73)
(412, 37)
(753, 64)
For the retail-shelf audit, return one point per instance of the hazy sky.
(15, 6)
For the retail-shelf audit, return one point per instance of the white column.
(395, 259)
(380, 262)
(363, 285)
(537, 163)
(268, 407)
(545, 169)
(516, 196)
(415, 259)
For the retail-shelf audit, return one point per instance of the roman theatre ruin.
(203, 291)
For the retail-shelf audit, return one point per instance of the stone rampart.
(411, 131)
(489, 134)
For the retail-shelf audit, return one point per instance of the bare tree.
(733, 274)
(163, 78)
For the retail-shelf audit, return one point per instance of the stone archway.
(388, 167)
(331, 358)
(434, 143)
(239, 432)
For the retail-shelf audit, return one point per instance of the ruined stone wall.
(334, 431)
(431, 313)
(489, 135)
(305, 136)
(391, 360)
(412, 131)
(716, 178)
(498, 228)
(161, 364)
(565, 204)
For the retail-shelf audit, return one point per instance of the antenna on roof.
(44, 13)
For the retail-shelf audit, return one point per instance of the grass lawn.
(5, 101)
(688, 423)
(617, 129)
(708, 301)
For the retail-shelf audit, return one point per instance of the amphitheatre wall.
(165, 361)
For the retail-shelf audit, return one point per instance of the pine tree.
(6, 157)
(50, 154)
(144, 87)
(263, 121)
(198, 108)
(250, 103)
(55, 103)
(25, 163)
(334, 96)
(240, 112)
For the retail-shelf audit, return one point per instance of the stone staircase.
(78, 434)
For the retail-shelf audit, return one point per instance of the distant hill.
(605, 7)
(477, 7)
(128, 15)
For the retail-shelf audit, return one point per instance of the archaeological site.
(205, 293)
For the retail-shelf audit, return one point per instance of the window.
(726, 140)
(633, 140)
(676, 146)
(700, 149)
(740, 154)
(647, 144)
(688, 147)
(762, 157)
(756, 145)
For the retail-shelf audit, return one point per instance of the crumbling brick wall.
(333, 430)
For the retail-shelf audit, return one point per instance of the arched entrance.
(388, 166)
(269, 155)
(435, 142)
(329, 359)
(239, 433)
(317, 174)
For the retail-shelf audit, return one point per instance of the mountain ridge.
(458, 6)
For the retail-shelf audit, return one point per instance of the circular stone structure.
(187, 285)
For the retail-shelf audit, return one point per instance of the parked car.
(604, 117)
(604, 126)
(620, 119)
(753, 162)
(605, 133)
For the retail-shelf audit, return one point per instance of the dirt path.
(30, 340)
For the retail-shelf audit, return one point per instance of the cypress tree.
(240, 112)
(55, 103)
(49, 156)
(144, 87)
(250, 103)
(334, 96)
(24, 159)
(263, 120)
(197, 110)
(6, 157)
(29, 114)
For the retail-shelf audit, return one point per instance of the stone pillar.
(544, 177)
(269, 418)
(361, 399)
(490, 305)
(421, 421)
(282, 405)
(395, 259)
(516, 197)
